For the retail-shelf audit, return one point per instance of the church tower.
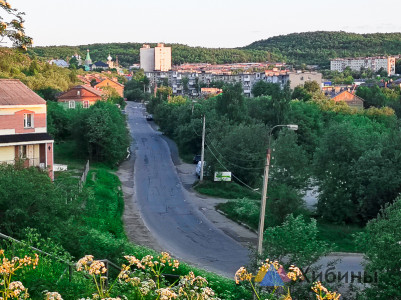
(109, 62)
(88, 60)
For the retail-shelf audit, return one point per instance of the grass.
(66, 153)
(226, 190)
(106, 236)
(247, 211)
(340, 236)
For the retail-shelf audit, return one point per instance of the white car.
(198, 168)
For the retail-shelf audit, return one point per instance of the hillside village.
(132, 176)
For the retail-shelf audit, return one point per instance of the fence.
(82, 180)
(70, 266)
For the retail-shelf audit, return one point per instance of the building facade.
(23, 127)
(107, 82)
(80, 95)
(386, 63)
(155, 59)
(349, 98)
(189, 83)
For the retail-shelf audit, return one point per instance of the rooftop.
(14, 92)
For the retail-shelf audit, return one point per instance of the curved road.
(163, 202)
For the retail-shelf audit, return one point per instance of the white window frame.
(26, 124)
(85, 104)
(71, 104)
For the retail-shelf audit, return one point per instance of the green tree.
(102, 133)
(312, 86)
(381, 245)
(12, 26)
(296, 241)
(28, 198)
(231, 103)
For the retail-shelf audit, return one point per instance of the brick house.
(82, 95)
(23, 127)
(111, 83)
(351, 99)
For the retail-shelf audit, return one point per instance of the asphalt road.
(177, 225)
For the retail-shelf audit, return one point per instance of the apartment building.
(155, 59)
(188, 82)
(23, 127)
(372, 63)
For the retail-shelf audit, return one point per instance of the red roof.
(14, 92)
(71, 93)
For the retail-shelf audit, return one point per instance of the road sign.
(222, 176)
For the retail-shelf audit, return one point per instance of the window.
(71, 104)
(22, 151)
(78, 93)
(28, 120)
(86, 104)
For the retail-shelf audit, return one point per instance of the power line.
(241, 154)
(233, 164)
(231, 173)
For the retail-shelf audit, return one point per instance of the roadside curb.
(346, 254)
(240, 223)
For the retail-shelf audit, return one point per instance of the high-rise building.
(155, 59)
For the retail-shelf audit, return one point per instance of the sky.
(206, 23)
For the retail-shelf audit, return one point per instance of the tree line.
(320, 46)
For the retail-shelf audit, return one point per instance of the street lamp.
(264, 191)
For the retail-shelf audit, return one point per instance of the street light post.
(264, 191)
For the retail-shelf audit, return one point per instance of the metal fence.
(82, 180)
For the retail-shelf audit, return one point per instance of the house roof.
(343, 92)
(108, 79)
(27, 137)
(14, 92)
(72, 94)
(100, 64)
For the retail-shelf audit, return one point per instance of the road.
(173, 220)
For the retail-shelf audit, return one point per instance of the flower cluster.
(52, 296)
(323, 293)
(295, 273)
(93, 267)
(17, 290)
(192, 287)
(242, 275)
(166, 294)
(8, 267)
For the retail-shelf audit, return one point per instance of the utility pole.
(264, 191)
(263, 204)
(203, 150)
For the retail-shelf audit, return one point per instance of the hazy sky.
(209, 23)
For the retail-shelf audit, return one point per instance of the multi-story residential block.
(155, 59)
(299, 78)
(386, 63)
(23, 128)
(82, 95)
(188, 82)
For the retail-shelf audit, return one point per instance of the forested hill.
(128, 53)
(321, 46)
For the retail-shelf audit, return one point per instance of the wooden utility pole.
(203, 150)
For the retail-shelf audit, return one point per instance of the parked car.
(206, 169)
(196, 158)
(149, 117)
